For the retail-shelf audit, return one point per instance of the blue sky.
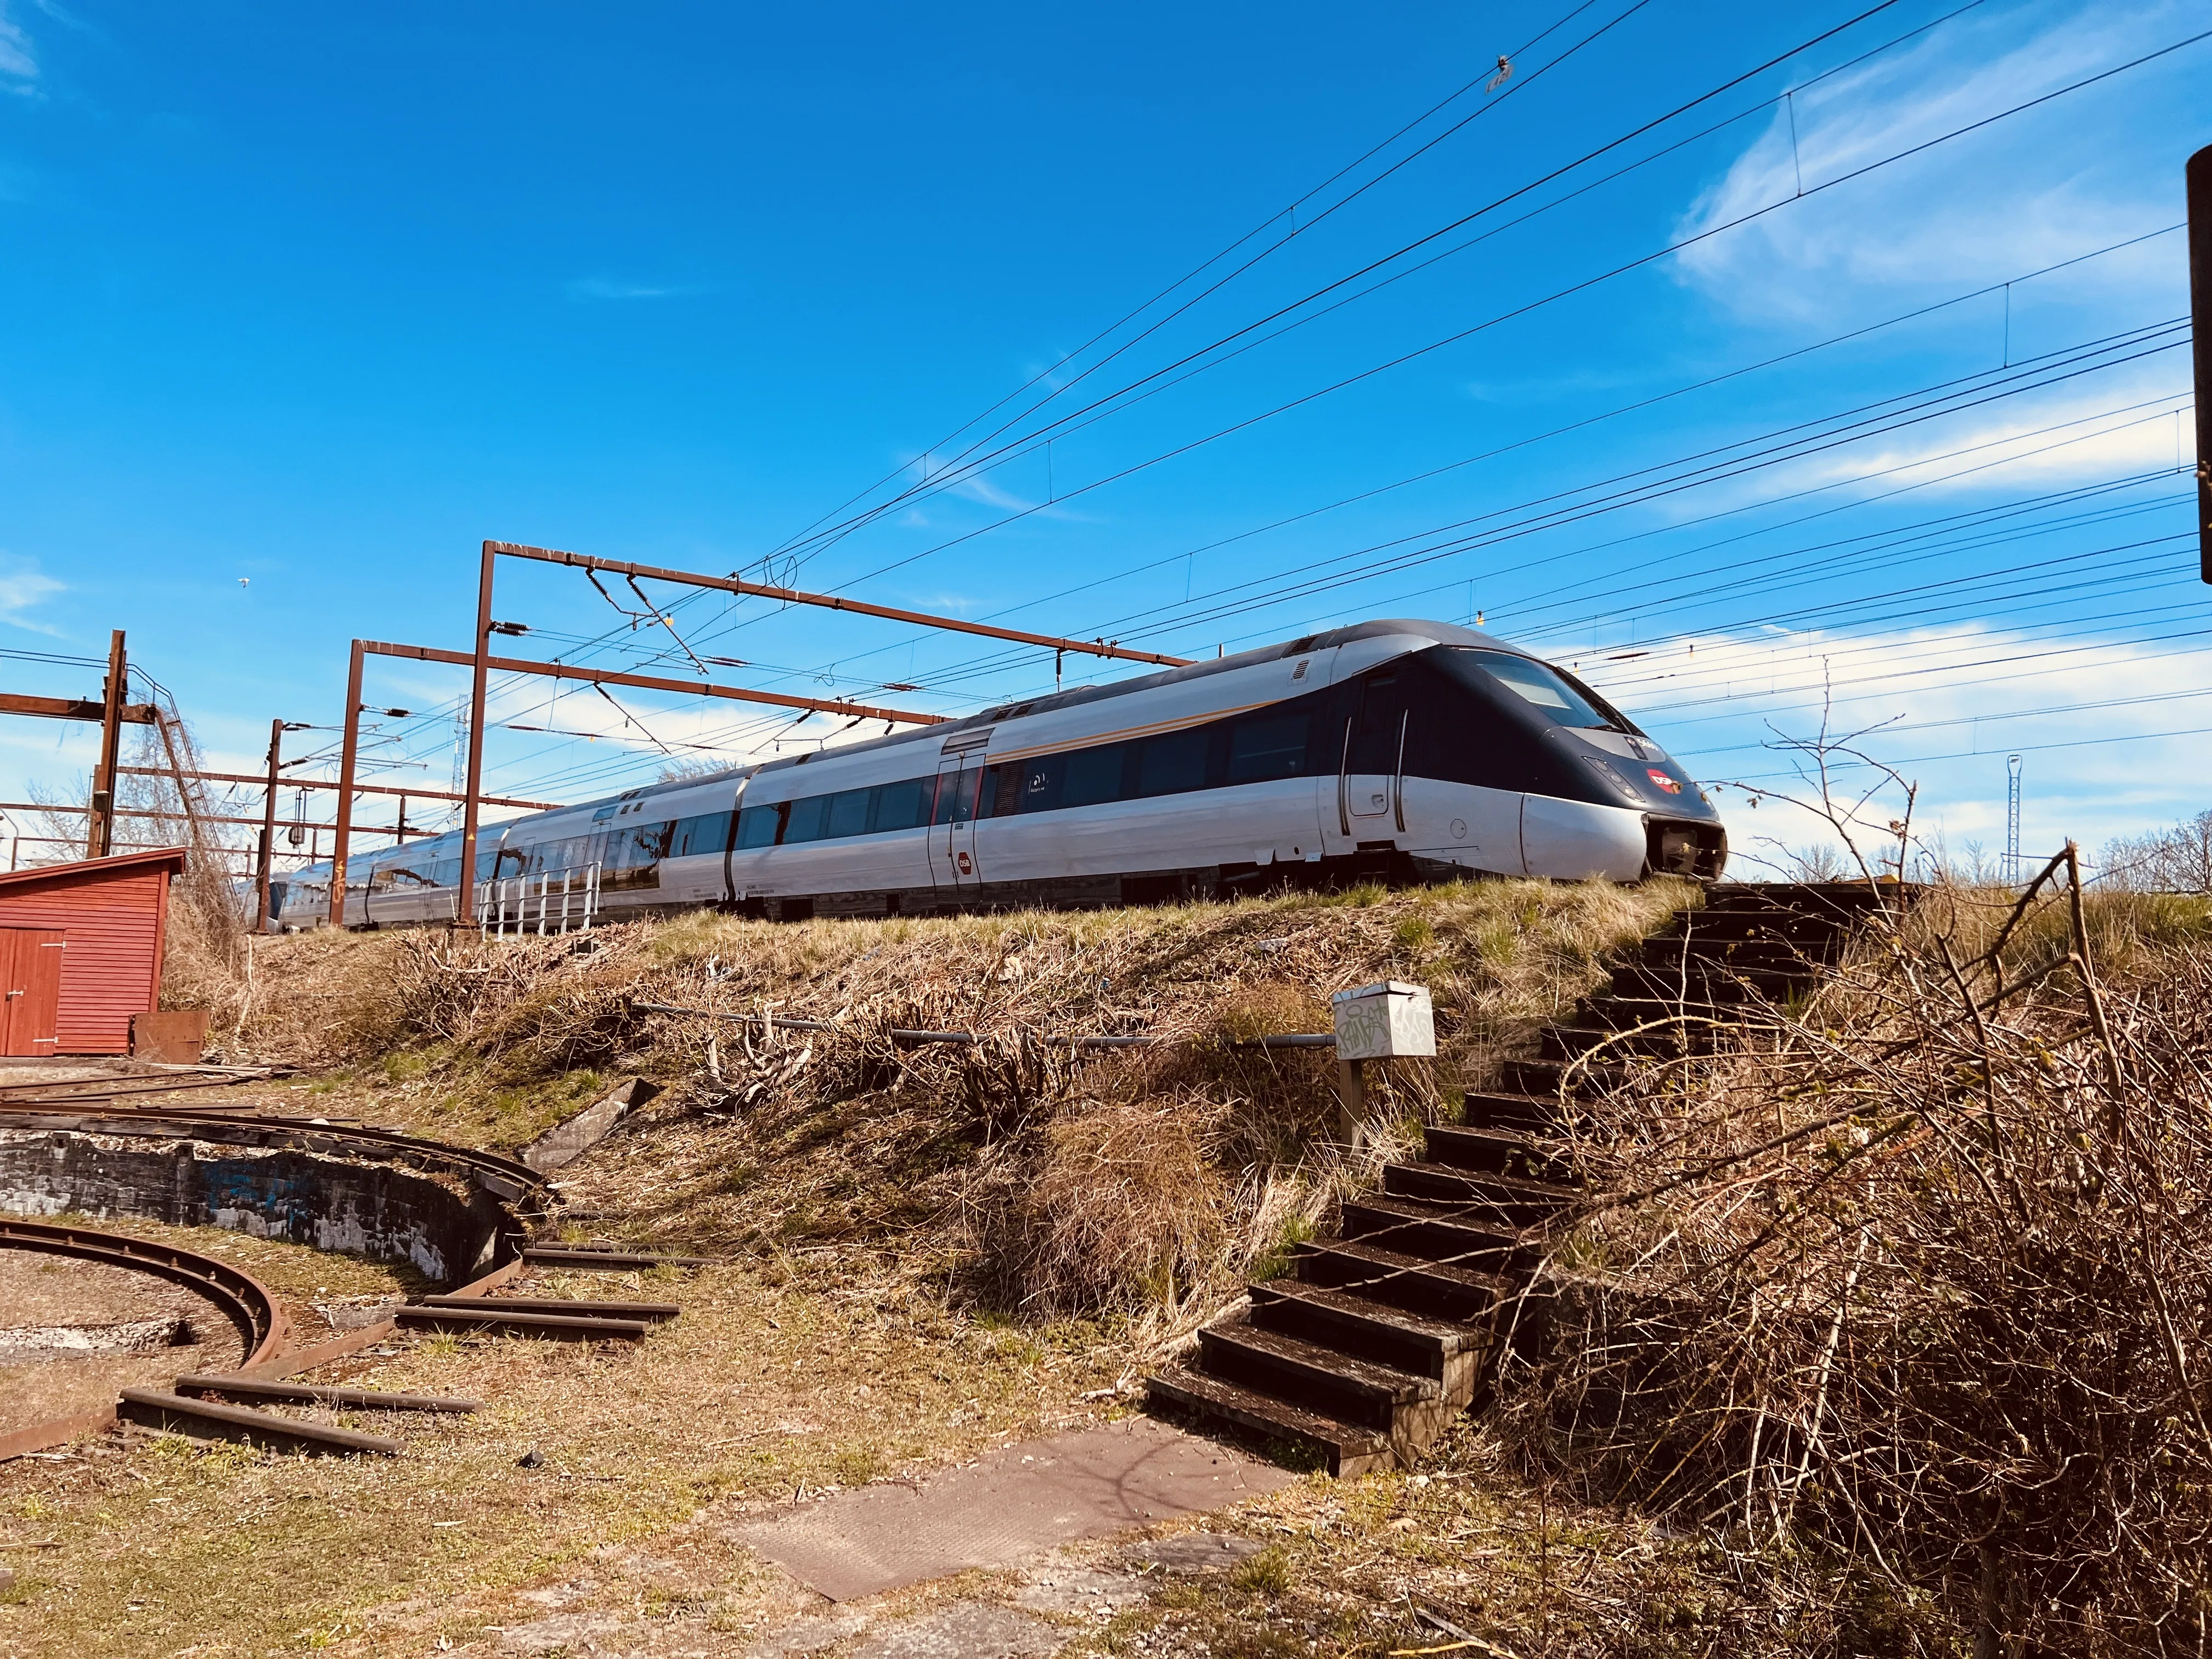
(320, 299)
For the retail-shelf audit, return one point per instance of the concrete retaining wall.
(446, 1231)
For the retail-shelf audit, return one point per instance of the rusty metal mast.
(482, 662)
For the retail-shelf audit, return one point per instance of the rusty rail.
(244, 1300)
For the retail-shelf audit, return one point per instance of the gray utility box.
(1386, 1021)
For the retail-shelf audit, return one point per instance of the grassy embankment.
(928, 1252)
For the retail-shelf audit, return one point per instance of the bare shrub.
(1917, 1275)
(2177, 859)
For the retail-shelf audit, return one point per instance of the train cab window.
(1090, 777)
(1173, 763)
(848, 813)
(757, 826)
(707, 833)
(1267, 746)
(805, 820)
(902, 805)
(1561, 703)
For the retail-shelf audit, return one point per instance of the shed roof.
(172, 857)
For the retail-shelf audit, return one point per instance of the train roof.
(1435, 632)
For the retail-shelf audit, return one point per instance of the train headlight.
(1605, 770)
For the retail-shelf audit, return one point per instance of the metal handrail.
(504, 906)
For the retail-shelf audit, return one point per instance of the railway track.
(242, 1298)
(194, 1404)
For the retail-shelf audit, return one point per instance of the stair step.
(1511, 1111)
(1412, 1282)
(1499, 1152)
(1319, 1377)
(1500, 1201)
(1436, 1232)
(1570, 1042)
(1620, 1012)
(1541, 1077)
(1370, 1329)
(1707, 983)
(1344, 1448)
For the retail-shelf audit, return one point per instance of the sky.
(1786, 370)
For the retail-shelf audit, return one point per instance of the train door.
(952, 826)
(30, 1011)
(1371, 782)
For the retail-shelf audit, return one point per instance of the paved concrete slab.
(973, 1629)
(1010, 1504)
(1196, 1551)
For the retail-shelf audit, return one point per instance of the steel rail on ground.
(243, 1299)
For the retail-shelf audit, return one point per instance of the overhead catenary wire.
(969, 466)
(1530, 306)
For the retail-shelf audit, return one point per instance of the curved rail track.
(243, 1299)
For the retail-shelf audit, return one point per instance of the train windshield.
(1562, 702)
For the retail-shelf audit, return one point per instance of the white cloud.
(2123, 426)
(2112, 731)
(19, 68)
(603, 288)
(2029, 192)
(21, 588)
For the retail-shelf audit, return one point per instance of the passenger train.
(1394, 750)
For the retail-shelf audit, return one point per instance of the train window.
(1089, 776)
(1002, 792)
(1267, 746)
(1561, 703)
(1040, 785)
(956, 794)
(757, 826)
(849, 812)
(805, 820)
(707, 833)
(902, 805)
(1173, 763)
(1376, 729)
(638, 847)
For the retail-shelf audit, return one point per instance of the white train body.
(1394, 750)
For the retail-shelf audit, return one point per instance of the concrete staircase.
(1385, 1332)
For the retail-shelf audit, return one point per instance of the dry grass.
(1017, 1173)
(772, 1385)
(1903, 1292)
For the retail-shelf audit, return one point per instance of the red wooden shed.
(81, 951)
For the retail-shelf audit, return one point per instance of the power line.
(1532, 306)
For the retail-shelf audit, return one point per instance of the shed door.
(31, 970)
